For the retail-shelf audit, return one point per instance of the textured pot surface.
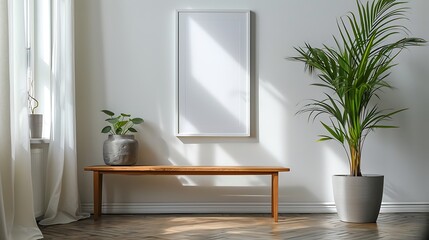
(36, 125)
(120, 150)
(358, 199)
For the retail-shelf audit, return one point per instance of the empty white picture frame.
(213, 73)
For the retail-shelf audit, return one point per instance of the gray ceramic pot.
(36, 125)
(358, 199)
(120, 150)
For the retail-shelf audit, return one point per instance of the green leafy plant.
(354, 72)
(121, 124)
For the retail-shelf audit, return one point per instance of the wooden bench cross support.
(99, 171)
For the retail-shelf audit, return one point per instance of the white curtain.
(16, 194)
(62, 196)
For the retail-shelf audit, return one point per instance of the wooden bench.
(99, 171)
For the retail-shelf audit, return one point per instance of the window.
(38, 48)
(33, 103)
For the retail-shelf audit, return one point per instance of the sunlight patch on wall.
(223, 158)
(335, 163)
(273, 117)
(218, 157)
(184, 180)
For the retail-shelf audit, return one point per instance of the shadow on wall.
(153, 149)
(156, 189)
(90, 73)
(403, 151)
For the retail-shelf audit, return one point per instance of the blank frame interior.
(213, 73)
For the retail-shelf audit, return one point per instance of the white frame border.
(248, 77)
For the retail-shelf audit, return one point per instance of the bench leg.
(98, 188)
(275, 196)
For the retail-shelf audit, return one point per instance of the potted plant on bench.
(353, 73)
(120, 148)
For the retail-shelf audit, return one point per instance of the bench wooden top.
(188, 170)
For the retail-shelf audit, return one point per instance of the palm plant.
(355, 71)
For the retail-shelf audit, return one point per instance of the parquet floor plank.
(391, 226)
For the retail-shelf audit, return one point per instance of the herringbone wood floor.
(401, 226)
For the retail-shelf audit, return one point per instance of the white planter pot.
(36, 125)
(358, 199)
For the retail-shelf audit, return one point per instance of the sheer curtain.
(62, 196)
(17, 219)
(16, 194)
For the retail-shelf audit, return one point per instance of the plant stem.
(33, 109)
(355, 161)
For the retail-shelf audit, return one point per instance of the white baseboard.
(141, 208)
(405, 207)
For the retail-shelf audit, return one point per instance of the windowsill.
(39, 141)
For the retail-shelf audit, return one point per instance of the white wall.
(125, 58)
